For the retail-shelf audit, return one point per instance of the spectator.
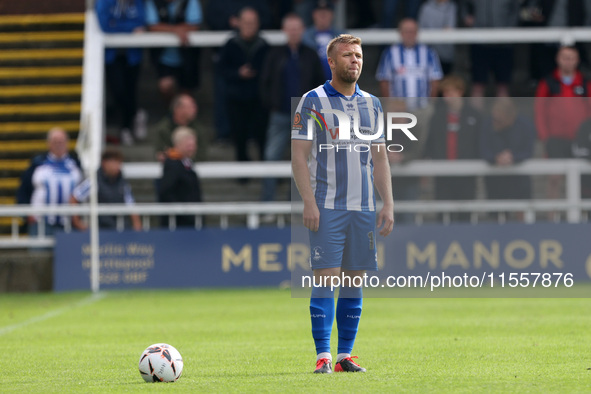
(183, 112)
(582, 150)
(50, 180)
(305, 8)
(123, 66)
(536, 13)
(179, 182)
(322, 31)
(112, 189)
(487, 58)
(440, 14)
(223, 15)
(410, 71)
(241, 61)
(178, 68)
(411, 10)
(507, 139)
(558, 120)
(454, 135)
(290, 71)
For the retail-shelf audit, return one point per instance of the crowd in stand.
(254, 83)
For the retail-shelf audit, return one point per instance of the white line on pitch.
(51, 314)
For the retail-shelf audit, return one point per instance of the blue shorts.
(345, 239)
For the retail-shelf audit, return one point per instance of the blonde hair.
(347, 39)
(180, 134)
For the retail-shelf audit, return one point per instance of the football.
(161, 363)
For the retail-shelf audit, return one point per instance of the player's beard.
(346, 76)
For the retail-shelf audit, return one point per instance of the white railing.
(572, 204)
(571, 168)
(368, 37)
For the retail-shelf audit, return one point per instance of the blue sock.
(322, 316)
(348, 315)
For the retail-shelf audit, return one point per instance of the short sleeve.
(384, 71)
(306, 110)
(435, 72)
(193, 13)
(81, 192)
(151, 13)
(127, 196)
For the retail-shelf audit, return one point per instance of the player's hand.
(386, 221)
(311, 216)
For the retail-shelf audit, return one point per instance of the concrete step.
(28, 146)
(14, 165)
(9, 183)
(12, 55)
(76, 36)
(34, 128)
(18, 73)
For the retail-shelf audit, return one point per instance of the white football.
(161, 363)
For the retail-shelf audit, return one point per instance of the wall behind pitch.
(268, 256)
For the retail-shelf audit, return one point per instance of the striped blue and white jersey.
(53, 182)
(341, 170)
(409, 72)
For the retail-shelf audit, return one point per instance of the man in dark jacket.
(290, 71)
(507, 139)
(241, 61)
(179, 182)
(112, 189)
(453, 135)
(582, 149)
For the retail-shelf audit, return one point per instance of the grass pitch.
(259, 340)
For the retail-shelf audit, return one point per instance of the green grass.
(259, 340)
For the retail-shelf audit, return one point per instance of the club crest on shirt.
(297, 121)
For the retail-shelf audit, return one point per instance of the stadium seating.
(40, 79)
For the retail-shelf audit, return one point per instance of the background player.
(336, 186)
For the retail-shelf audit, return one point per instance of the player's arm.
(383, 182)
(300, 150)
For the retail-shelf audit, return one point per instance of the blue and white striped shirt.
(409, 72)
(342, 176)
(53, 183)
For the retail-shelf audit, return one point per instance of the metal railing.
(572, 204)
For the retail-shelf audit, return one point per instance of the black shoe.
(323, 365)
(348, 365)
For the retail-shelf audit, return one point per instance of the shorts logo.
(371, 240)
(317, 254)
